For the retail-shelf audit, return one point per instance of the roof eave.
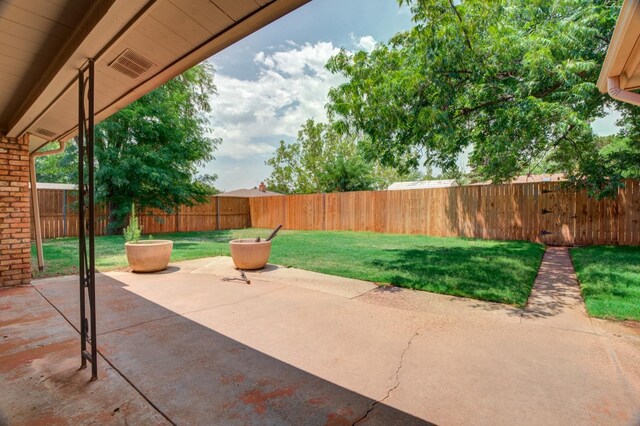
(622, 44)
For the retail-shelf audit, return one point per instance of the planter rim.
(248, 241)
(149, 243)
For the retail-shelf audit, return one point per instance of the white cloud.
(366, 43)
(291, 87)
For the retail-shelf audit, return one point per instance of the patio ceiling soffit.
(137, 46)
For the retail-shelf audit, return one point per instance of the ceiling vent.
(45, 132)
(131, 64)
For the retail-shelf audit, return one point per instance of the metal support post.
(86, 210)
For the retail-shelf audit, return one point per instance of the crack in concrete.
(397, 377)
(628, 387)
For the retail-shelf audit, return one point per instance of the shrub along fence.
(540, 212)
(59, 215)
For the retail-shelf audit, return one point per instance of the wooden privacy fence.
(540, 212)
(59, 216)
(217, 213)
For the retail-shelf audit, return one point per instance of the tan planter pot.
(247, 254)
(149, 256)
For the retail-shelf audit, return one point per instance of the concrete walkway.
(556, 300)
(302, 348)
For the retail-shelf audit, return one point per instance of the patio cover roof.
(137, 45)
(622, 63)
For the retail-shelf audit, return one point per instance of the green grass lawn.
(610, 280)
(500, 271)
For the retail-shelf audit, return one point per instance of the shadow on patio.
(192, 373)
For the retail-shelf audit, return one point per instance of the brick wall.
(15, 222)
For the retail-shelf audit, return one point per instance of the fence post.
(218, 213)
(64, 212)
(284, 211)
(324, 211)
(178, 219)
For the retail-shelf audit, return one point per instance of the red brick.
(21, 244)
(12, 220)
(13, 155)
(11, 251)
(22, 235)
(11, 198)
(15, 238)
(14, 261)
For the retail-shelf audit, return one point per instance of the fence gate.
(557, 214)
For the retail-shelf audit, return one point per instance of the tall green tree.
(148, 153)
(299, 167)
(623, 151)
(513, 80)
(326, 160)
(344, 174)
(59, 168)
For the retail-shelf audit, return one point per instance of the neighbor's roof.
(67, 186)
(137, 46)
(553, 177)
(248, 193)
(623, 55)
(423, 184)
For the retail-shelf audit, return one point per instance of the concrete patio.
(296, 347)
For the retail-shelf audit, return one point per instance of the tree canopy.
(325, 160)
(148, 152)
(513, 81)
(624, 150)
(60, 168)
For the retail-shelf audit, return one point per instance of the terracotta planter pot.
(149, 256)
(247, 254)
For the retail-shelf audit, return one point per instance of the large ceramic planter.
(149, 256)
(249, 254)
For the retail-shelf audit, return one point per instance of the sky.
(271, 82)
